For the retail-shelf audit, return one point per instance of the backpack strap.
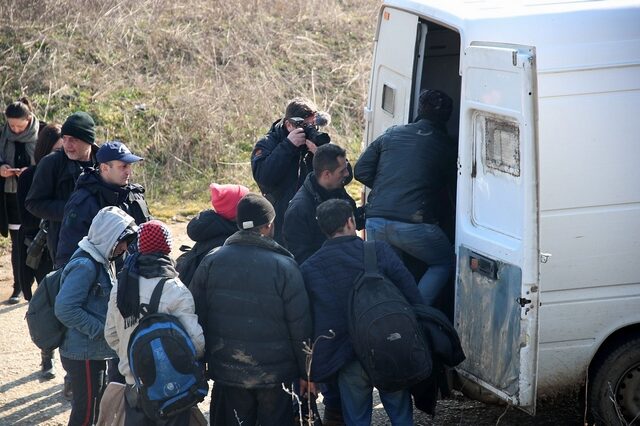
(154, 303)
(370, 259)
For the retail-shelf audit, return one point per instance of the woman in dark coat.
(17, 146)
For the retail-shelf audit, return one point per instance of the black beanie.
(254, 210)
(80, 125)
(435, 105)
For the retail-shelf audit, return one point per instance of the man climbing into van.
(406, 168)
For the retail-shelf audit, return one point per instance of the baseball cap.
(116, 150)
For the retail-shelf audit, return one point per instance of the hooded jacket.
(91, 194)
(81, 304)
(209, 230)
(176, 300)
(253, 308)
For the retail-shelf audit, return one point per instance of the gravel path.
(26, 400)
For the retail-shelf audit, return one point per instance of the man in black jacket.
(302, 235)
(282, 159)
(406, 168)
(254, 311)
(56, 174)
(97, 188)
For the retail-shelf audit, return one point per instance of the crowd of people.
(265, 286)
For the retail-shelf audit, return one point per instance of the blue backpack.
(162, 358)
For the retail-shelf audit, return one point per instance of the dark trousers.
(232, 405)
(26, 275)
(134, 416)
(113, 374)
(88, 383)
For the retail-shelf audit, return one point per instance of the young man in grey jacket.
(81, 305)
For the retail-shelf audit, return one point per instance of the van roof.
(580, 33)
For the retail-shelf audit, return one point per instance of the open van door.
(496, 311)
(393, 64)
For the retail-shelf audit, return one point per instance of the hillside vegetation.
(190, 84)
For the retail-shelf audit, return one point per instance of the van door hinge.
(368, 114)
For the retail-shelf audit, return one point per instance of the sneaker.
(47, 370)
(67, 392)
(15, 297)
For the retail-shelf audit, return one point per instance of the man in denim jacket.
(81, 305)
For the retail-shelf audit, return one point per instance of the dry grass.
(191, 84)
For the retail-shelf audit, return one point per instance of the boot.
(15, 297)
(47, 368)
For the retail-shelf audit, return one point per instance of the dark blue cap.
(116, 150)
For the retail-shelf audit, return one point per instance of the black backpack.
(386, 336)
(191, 257)
(47, 332)
(162, 359)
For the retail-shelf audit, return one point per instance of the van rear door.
(393, 63)
(497, 289)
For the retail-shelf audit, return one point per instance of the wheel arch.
(614, 340)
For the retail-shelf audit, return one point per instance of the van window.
(388, 98)
(501, 142)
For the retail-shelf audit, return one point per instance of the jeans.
(88, 383)
(357, 399)
(423, 241)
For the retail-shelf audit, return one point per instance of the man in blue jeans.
(407, 168)
(329, 276)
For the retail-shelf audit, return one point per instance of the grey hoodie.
(103, 235)
(81, 304)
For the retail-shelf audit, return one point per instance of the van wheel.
(614, 391)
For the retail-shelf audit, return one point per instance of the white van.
(547, 228)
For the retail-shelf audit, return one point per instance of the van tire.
(616, 375)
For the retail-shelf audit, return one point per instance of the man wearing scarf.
(136, 283)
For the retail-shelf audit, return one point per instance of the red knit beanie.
(224, 199)
(154, 237)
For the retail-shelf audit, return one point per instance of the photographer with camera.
(282, 159)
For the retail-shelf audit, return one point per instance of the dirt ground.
(26, 400)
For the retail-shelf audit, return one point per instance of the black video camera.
(311, 131)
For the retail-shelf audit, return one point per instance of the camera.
(311, 130)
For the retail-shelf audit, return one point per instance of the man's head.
(115, 162)
(154, 237)
(78, 134)
(224, 199)
(335, 218)
(302, 108)
(255, 213)
(330, 166)
(435, 105)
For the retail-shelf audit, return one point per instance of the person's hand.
(297, 137)
(18, 172)
(6, 171)
(311, 146)
(307, 388)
